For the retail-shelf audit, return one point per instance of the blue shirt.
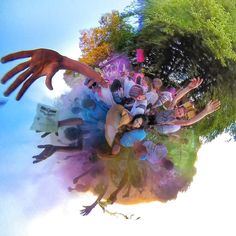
(129, 138)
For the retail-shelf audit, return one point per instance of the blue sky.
(27, 24)
(24, 209)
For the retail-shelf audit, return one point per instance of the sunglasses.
(93, 85)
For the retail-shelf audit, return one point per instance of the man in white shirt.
(127, 85)
(140, 103)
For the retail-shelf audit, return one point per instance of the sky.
(34, 201)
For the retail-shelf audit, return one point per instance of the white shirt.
(128, 83)
(106, 96)
(152, 97)
(164, 97)
(139, 107)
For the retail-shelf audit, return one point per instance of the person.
(140, 104)
(155, 154)
(101, 94)
(172, 119)
(164, 97)
(147, 150)
(118, 122)
(43, 62)
(127, 82)
(118, 94)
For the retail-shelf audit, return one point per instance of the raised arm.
(195, 82)
(211, 107)
(42, 62)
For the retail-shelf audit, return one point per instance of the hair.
(151, 120)
(139, 80)
(116, 85)
(149, 82)
(144, 117)
(72, 133)
(135, 91)
(158, 81)
(167, 164)
(88, 103)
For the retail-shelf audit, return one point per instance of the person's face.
(179, 112)
(137, 123)
(139, 98)
(156, 84)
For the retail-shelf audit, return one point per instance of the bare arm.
(211, 107)
(70, 64)
(42, 62)
(182, 92)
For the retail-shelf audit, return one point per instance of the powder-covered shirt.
(139, 107)
(164, 117)
(155, 152)
(152, 97)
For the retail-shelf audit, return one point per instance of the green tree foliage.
(183, 39)
(223, 119)
(214, 22)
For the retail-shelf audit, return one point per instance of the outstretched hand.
(87, 209)
(212, 106)
(195, 82)
(43, 62)
(47, 152)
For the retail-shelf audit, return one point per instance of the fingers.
(17, 55)
(216, 104)
(197, 81)
(45, 134)
(48, 81)
(213, 106)
(200, 80)
(20, 79)
(26, 85)
(37, 161)
(14, 71)
(44, 146)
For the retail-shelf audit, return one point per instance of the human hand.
(87, 210)
(195, 82)
(43, 62)
(47, 152)
(212, 106)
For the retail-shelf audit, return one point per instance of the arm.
(71, 121)
(211, 107)
(42, 62)
(182, 92)
(70, 64)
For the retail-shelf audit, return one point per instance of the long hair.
(151, 120)
(144, 117)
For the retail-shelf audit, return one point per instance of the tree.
(214, 22)
(113, 35)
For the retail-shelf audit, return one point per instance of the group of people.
(116, 114)
(139, 103)
(134, 101)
